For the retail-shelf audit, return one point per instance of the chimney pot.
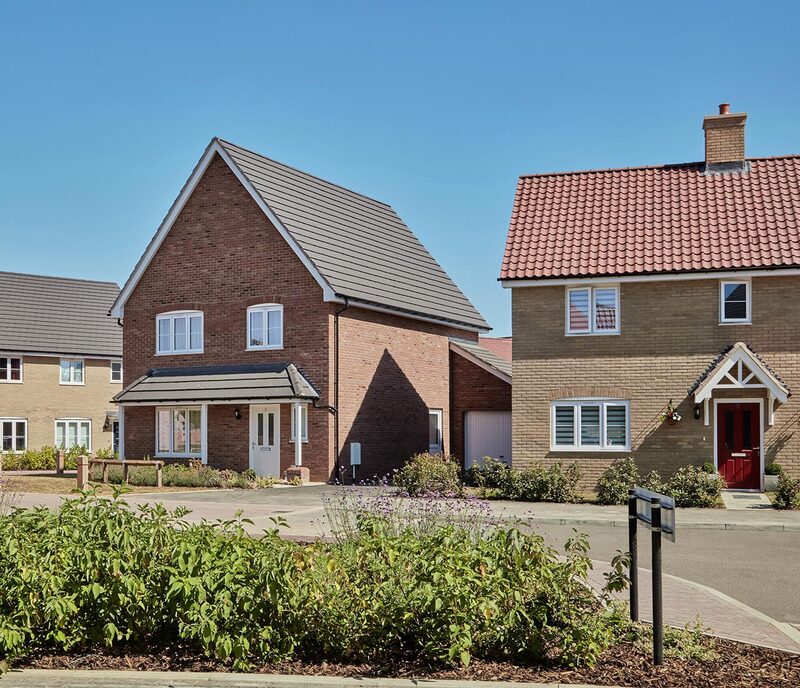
(724, 108)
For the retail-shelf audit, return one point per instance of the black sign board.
(644, 511)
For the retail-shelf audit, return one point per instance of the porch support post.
(121, 430)
(298, 434)
(771, 409)
(705, 410)
(204, 433)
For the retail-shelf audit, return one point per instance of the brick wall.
(392, 371)
(472, 389)
(670, 334)
(41, 399)
(221, 256)
(724, 138)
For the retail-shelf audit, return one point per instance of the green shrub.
(708, 467)
(787, 496)
(178, 475)
(427, 474)
(654, 482)
(773, 468)
(97, 572)
(43, 459)
(693, 487)
(538, 483)
(489, 473)
(616, 480)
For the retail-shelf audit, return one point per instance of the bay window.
(593, 310)
(590, 425)
(71, 432)
(180, 332)
(178, 432)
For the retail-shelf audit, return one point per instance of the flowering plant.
(670, 414)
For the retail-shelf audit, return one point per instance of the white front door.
(265, 440)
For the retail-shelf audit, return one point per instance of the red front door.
(738, 439)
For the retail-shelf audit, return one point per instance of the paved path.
(684, 601)
(176, 679)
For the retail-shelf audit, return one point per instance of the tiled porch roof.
(219, 384)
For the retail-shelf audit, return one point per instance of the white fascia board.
(740, 353)
(118, 309)
(478, 362)
(666, 277)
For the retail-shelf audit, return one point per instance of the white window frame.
(78, 434)
(159, 453)
(71, 380)
(577, 446)
(172, 316)
(265, 308)
(111, 367)
(748, 319)
(9, 381)
(303, 419)
(592, 331)
(439, 414)
(14, 421)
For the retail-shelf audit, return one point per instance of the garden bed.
(627, 664)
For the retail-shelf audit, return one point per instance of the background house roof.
(264, 381)
(483, 356)
(57, 315)
(647, 220)
(360, 246)
(499, 346)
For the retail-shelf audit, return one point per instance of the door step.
(740, 501)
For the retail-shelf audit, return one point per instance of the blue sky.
(434, 107)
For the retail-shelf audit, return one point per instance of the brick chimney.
(725, 140)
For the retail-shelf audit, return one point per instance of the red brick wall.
(392, 371)
(472, 389)
(221, 256)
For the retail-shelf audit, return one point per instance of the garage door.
(487, 433)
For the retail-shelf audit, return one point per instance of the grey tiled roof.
(57, 315)
(360, 246)
(488, 357)
(267, 381)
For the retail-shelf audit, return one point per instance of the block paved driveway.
(759, 568)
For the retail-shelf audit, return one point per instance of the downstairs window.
(590, 425)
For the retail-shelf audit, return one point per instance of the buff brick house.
(640, 290)
(272, 306)
(60, 363)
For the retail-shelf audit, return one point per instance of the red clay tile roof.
(671, 218)
(499, 346)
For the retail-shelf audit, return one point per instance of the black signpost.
(657, 512)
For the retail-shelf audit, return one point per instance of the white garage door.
(487, 433)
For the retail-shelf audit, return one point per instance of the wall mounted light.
(237, 414)
(698, 410)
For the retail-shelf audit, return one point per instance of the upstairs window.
(590, 425)
(71, 371)
(734, 302)
(179, 333)
(265, 326)
(593, 310)
(10, 369)
(116, 371)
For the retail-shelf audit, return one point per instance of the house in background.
(60, 363)
(636, 287)
(272, 306)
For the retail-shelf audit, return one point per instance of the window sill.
(10, 382)
(735, 322)
(291, 441)
(72, 384)
(592, 334)
(590, 450)
(177, 456)
(178, 353)
(265, 348)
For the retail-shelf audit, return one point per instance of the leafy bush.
(615, 482)
(430, 474)
(655, 483)
(773, 468)
(693, 487)
(708, 467)
(538, 483)
(43, 459)
(178, 475)
(489, 473)
(99, 572)
(787, 496)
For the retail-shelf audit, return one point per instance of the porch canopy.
(740, 368)
(233, 384)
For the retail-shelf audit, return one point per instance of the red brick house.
(636, 291)
(272, 305)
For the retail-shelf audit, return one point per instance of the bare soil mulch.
(737, 666)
